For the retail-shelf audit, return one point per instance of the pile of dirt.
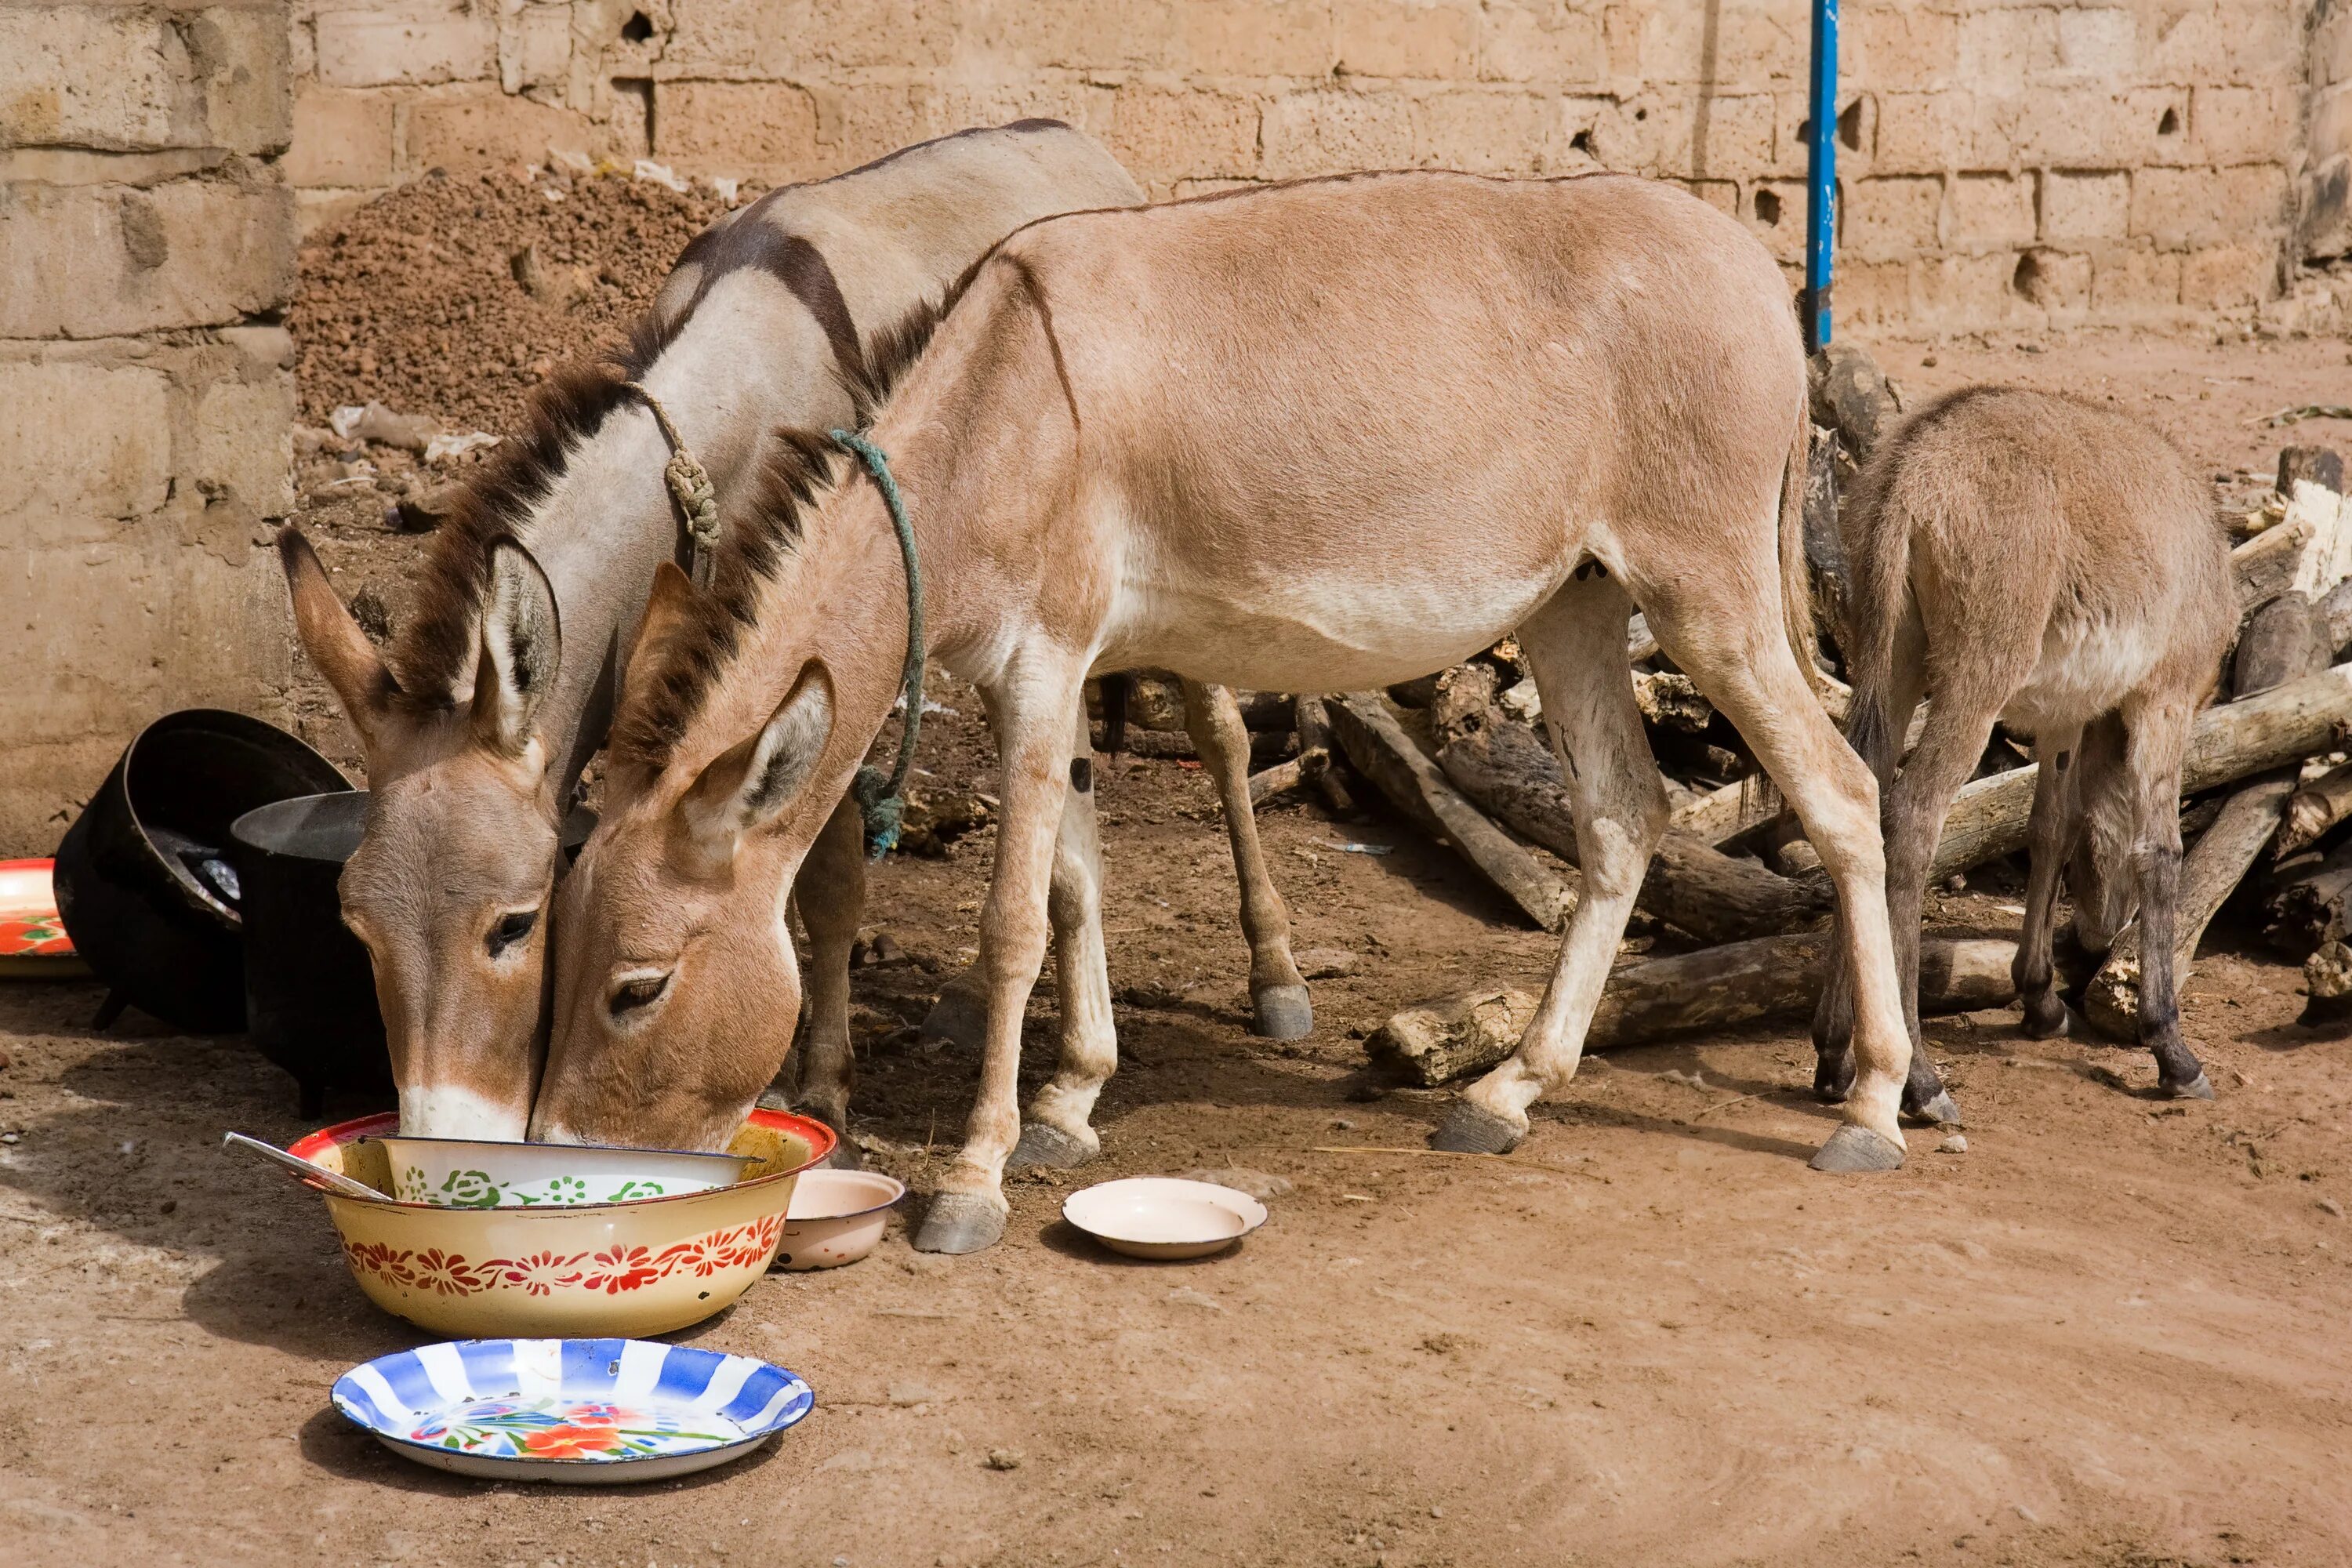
(420, 300)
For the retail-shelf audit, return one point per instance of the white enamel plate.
(599, 1412)
(1163, 1216)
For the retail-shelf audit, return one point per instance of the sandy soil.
(2109, 1332)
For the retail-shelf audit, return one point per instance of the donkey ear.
(749, 783)
(670, 608)
(354, 670)
(522, 645)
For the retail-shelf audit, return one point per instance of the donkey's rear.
(2028, 558)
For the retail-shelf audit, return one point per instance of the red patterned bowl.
(629, 1270)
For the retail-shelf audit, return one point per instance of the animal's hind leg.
(2057, 812)
(1279, 1006)
(2098, 870)
(831, 894)
(1725, 630)
(2155, 735)
(1577, 645)
(1875, 730)
(1058, 1131)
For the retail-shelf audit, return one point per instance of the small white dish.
(1163, 1216)
(477, 1173)
(835, 1217)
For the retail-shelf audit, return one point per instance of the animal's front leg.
(1031, 706)
(832, 899)
(1058, 1133)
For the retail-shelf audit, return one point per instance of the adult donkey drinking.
(1328, 435)
(499, 689)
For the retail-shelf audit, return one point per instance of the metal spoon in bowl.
(335, 1179)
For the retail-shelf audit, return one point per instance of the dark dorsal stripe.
(799, 266)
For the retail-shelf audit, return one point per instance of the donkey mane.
(431, 656)
(798, 468)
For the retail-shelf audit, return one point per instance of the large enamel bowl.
(625, 1270)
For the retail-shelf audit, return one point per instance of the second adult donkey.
(497, 692)
(1326, 436)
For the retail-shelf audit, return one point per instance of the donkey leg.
(2156, 734)
(1279, 1006)
(2050, 837)
(1577, 645)
(1734, 650)
(1057, 1131)
(831, 894)
(2098, 869)
(1033, 700)
(1878, 741)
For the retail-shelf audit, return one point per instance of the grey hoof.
(1854, 1147)
(959, 1223)
(2200, 1087)
(959, 1018)
(1474, 1130)
(1943, 1109)
(846, 1156)
(1834, 1077)
(2052, 1022)
(1044, 1145)
(1282, 1013)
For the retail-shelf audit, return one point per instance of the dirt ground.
(2111, 1331)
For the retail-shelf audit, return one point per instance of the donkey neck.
(743, 363)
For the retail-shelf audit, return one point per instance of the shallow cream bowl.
(629, 1270)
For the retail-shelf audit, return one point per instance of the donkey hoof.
(2046, 1018)
(845, 1156)
(1942, 1109)
(2198, 1088)
(960, 1223)
(1474, 1130)
(1282, 1013)
(958, 1017)
(1854, 1147)
(1043, 1143)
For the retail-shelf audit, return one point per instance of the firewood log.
(2327, 982)
(1385, 753)
(1313, 721)
(2312, 809)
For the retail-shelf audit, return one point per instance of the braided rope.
(689, 486)
(881, 799)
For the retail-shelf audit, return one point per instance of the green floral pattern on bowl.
(477, 1190)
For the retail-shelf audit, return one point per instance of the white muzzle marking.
(446, 1111)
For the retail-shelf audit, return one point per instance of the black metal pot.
(310, 988)
(144, 885)
(310, 994)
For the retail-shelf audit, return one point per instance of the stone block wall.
(147, 246)
(2003, 162)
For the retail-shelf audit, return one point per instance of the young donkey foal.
(1327, 435)
(2028, 558)
(498, 689)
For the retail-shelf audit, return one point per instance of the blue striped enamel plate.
(571, 1410)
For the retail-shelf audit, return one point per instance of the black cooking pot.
(309, 994)
(145, 884)
(309, 991)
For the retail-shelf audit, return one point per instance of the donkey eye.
(637, 992)
(511, 930)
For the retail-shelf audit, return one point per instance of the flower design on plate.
(566, 1190)
(638, 1188)
(598, 1415)
(570, 1442)
(386, 1262)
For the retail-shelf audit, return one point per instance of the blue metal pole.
(1821, 178)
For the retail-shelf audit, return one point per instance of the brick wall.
(2003, 163)
(146, 242)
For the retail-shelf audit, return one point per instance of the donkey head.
(676, 986)
(450, 884)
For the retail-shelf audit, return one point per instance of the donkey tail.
(1796, 580)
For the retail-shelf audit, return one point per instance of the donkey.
(476, 726)
(1324, 434)
(2030, 558)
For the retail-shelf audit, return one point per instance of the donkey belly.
(1326, 625)
(2085, 670)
